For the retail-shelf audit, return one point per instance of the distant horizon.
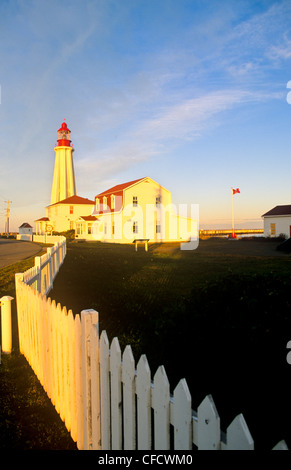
(214, 227)
(195, 95)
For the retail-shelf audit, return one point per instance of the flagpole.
(232, 213)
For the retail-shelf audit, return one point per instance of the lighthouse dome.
(63, 127)
(64, 135)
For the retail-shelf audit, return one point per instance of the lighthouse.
(64, 183)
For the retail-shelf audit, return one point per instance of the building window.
(112, 202)
(134, 201)
(89, 229)
(113, 228)
(97, 204)
(104, 203)
(135, 227)
(158, 200)
(158, 227)
(71, 209)
(273, 229)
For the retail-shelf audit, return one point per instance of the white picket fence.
(104, 398)
(46, 267)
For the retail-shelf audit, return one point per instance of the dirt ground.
(12, 251)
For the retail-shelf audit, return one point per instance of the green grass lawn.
(218, 316)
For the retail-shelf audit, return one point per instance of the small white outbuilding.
(277, 221)
(25, 232)
(25, 229)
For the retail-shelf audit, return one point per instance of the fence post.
(19, 309)
(6, 324)
(58, 258)
(95, 388)
(37, 264)
(88, 319)
(51, 269)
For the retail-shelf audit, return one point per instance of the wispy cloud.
(281, 51)
(186, 120)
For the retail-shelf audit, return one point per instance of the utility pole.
(7, 217)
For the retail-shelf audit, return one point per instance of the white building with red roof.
(141, 209)
(63, 215)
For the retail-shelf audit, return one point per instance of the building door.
(273, 230)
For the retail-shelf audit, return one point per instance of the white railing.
(104, 398)
(48, 239)
(41, 276)
(39, 238)
(24, 237)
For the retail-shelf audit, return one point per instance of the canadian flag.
(234, 191)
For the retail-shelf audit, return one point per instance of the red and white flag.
(234, 191)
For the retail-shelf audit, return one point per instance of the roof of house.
(42, 219)
(75, 200)
(25, 225)
(118, 188)
(88, 218)
(278, 210)
(116, 191)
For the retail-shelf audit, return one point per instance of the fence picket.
(72, 374)
(182, 417)
(48, 306)
(65, 360)
(161, 405)
(55, 327)
(208, 425)
(105, 392)
(88, 319)
(143, 392)
(95, 387)
(39, 338)
(44, 343)
(31, 332)
(35, 322)
(79, 392)
(128, 379)
(281, 446)
(116, 402)
(238, 436)
(60, 363)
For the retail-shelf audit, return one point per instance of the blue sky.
(192, 93)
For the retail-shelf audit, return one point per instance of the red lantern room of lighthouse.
(64, 184)
(64, 136)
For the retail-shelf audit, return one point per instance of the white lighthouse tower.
(64, 183)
